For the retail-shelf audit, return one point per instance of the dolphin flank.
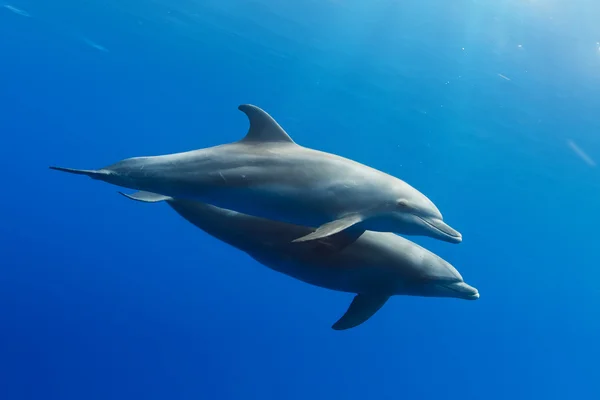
(268, 175)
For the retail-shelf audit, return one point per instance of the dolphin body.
(268, 175)
(375, 266)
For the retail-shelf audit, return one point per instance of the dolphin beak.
(444, 230)
(462, 290)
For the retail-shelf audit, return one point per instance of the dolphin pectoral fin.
(263, 128)
(333, 244)
(363, 307)
(332, 228)
(146, 197)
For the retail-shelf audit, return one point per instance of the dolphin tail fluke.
(363, 307)
(331, 228)
(146, 197)
(88, 172)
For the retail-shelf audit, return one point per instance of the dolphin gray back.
(251, 234)
(235, 228)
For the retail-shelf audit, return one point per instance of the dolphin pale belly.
(374, 265)
(268, 175)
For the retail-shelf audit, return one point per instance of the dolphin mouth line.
(473, 295)
(454, 234)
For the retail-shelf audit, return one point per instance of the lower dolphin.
(375, 265)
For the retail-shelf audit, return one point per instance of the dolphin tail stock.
(146, 197)
(363, 307)
(94, 174)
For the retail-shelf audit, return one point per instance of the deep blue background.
(104, 298)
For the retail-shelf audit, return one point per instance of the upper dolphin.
(268, 175)
(374, 266)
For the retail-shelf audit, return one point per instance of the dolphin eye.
(403, 204)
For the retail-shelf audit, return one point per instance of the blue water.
(490, 108)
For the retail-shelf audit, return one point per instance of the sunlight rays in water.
(580, 153)
(52, 24)
(16, 10)
(94, 45)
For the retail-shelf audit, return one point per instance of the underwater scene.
(299, 199)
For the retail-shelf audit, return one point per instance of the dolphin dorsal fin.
(263, 128)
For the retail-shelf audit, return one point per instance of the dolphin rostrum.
(375, 265)
(268, 175)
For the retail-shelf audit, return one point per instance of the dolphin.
(268, 175)
(374, 266)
